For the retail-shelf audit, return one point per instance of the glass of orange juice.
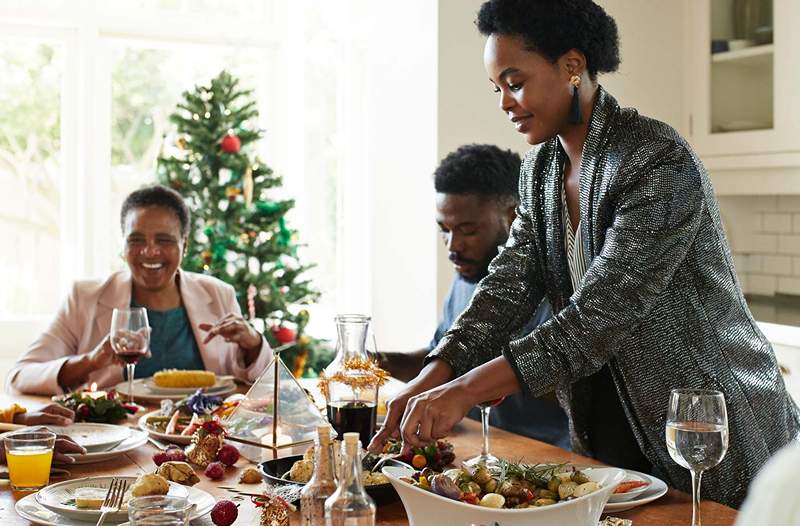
(29, 454)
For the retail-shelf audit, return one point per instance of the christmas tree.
(238, 233)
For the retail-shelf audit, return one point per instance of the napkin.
(614, 521)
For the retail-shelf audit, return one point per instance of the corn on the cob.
(179, 378)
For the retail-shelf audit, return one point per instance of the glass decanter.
(352, 393)
(322, 483)
(350, 505)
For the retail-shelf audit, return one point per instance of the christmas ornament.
(283, 334)
(275, 510)
(251, 301)
(182, 143)
(206, 255)
(206, 443)
(247, 186)
(231, 144)
(231, 192)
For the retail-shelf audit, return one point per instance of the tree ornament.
(231, 144)
(206, 255)
(275, 509)
(231, 192)
(176, 184)
(251, 301)
(283, 334)
(181, 143)
(206, 443)
(247, 186)
(268, 207)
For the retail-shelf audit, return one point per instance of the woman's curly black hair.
(157, 195)
(553, 27)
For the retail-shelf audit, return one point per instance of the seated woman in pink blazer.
(195, 320)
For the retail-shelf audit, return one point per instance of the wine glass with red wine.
(485, 458)
(130, 338)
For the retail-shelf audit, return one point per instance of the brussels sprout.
(443, 485)
(586, 488)
(545, 494)
(553, 484)
(481, 475)
(566, 489)
(510, 488)
(580, 477)
(543, 502)
(490, 486)
(493, 500)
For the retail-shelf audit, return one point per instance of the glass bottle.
(350, 505)
(322, 483)
(351, 408)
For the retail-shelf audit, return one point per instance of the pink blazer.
(85, 319)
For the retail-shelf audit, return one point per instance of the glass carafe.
(352, 393)
(350, 505)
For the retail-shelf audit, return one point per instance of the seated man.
(195, 320)
(476, 198)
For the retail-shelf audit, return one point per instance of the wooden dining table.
(673, 509)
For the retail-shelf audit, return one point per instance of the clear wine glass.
(697, 434)
(130, 338)
(485, 458)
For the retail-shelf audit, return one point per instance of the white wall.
(651, 78)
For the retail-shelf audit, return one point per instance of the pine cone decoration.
(274, 514)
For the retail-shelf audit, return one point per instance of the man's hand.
(64, 445)
(54, 414)
(233, 328)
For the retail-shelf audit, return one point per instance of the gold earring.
(575, 80)
(575, 105)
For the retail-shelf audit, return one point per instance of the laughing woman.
(619, 227)
(195, 320)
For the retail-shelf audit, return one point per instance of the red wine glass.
(130, 338)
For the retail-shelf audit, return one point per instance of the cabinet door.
(741, 96)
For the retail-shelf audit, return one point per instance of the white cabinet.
(744, 101)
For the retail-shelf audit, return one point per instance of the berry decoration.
(228, 455)
(215, 471)
(224, 513)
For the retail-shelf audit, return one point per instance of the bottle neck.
(324, 463)
(351, 471)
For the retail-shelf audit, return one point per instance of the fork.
(113, 501)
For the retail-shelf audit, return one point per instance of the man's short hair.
(481, 169)
(160, 196)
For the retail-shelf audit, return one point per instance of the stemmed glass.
(485, 458)
(130, 338)
(697, 434)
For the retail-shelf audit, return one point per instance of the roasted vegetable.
(443, 485)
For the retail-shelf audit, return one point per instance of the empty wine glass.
(130, 338)
(697, 434)
(485, 458)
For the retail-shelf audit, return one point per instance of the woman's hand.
(233, 328)
(54, 414)
(103, 355)
(432, 414)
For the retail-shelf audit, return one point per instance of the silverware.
(113, 501)
(159, 444)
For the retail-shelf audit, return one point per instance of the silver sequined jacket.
(660, 302)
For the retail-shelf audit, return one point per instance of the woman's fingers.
(390, 428)
(410, 424)
(65, 445)
(58, 409)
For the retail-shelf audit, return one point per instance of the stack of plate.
(54, 504)
(102, 441)
(146, 390)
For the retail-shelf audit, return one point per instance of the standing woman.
(619, 228)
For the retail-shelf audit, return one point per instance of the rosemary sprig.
(537, 474)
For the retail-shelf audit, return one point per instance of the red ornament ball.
(231, 144)
(224, 513)
(283, 334)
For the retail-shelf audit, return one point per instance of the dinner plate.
(222, 383)
(657, 489)
(135, 440)
(632, 494)
(56, 496)
(142, 393)
(94, 437)
(175, 439)
(28, 508)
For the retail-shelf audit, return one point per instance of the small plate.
(94, 437)
(175, 439)
(222, 383)
(29, 509)
(632, 494)
(274, 471)
(657, 489)
(135, 440)
(53, 497)
(143, 394)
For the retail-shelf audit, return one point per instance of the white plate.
(94, 437)
(222, 383)
(53, 497)
(142, 393)
(29, 509)
(136, 440)
(175, 439)
(655, 490)
(631, 494)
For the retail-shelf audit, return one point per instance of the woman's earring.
(575, 107)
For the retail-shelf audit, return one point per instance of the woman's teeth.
(152, 265)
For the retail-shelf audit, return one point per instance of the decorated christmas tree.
(239, 234)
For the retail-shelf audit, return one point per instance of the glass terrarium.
(351, 382)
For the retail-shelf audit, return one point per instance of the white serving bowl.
(425, 508)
